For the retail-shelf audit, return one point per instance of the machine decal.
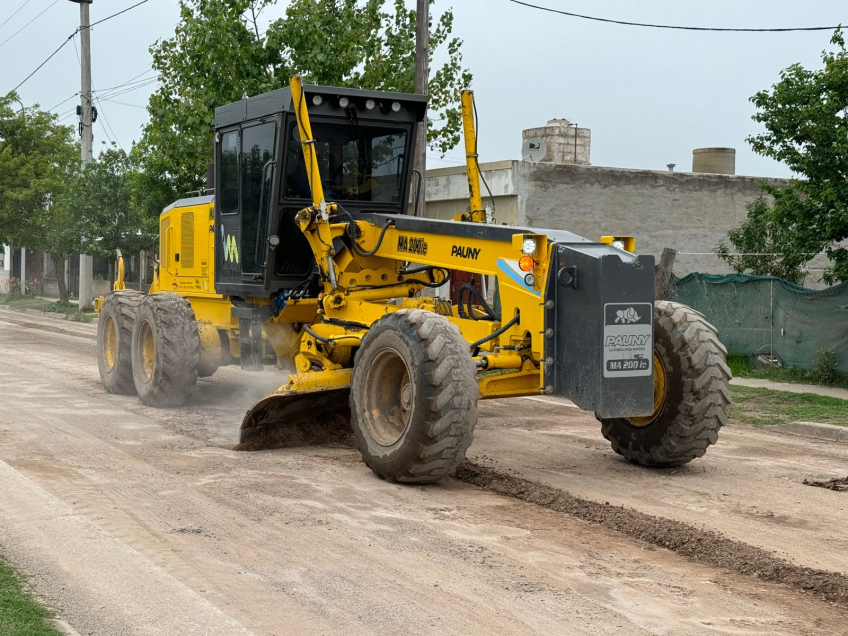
(628, 340)
(465, 252)
(511, 269)
(412, 245)
(231, 250)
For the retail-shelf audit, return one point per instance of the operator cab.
(365, 142)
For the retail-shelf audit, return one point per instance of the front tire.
(166, 350)
(413, 397)
(114, 341)
(691, 382)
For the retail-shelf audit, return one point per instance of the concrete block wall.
(688, 212)
(447, 191)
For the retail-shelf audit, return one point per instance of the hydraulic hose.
(358, 249)
(495, 334)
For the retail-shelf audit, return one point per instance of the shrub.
(824, 369)
(15, 293)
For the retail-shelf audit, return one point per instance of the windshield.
(357, 163)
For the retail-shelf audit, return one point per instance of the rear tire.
(697, 393)
(166, 350)
(413, 397)
(114, 341)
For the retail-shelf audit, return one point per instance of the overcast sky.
(649, 96)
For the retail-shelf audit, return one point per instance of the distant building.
(688, 211)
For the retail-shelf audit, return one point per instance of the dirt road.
(136, 521)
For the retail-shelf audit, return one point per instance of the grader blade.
(290, 418)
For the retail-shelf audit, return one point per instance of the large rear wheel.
(413, 397)
(691, 393)
(166, 350)
(114, 341)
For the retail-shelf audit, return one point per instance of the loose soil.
(702, 545)
(839, 484)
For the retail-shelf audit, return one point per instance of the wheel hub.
(660, 395)
(110, 342)
(389, 397)
(148, 349)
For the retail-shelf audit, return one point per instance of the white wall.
(6, 257)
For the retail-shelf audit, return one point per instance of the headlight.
(273, 241)
(529, 246)
(396, 107)
(370, 104)
(529, 280)
(344, 102)
(619, 245)
(317, 100)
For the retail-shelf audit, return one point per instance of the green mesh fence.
(761, 314)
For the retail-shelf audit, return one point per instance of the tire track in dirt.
(703, 546)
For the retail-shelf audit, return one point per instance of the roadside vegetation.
(824, 371)
(49, 307)
(20, 614)
(764, 407)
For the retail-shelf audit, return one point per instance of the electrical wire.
(132, 80)
(61, 46)
(115, 15)
(64, 101)
(668, 26)
(52, 55)
(15, 13)
(28, 23)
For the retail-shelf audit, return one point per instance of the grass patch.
(741, 367)
(49, 307)
(763, 407)
(20, 615)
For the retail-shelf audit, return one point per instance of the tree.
(218, 54)
(37, 157)
(805, 115)
(100, 198)
(768, 247)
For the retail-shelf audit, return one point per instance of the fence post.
(663, 279)
(771, 316)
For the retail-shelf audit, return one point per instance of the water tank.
(714, 160)
(561, 142)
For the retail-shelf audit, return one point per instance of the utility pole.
(422, 78)
(86, 268)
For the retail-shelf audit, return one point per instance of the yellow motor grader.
(305, 258)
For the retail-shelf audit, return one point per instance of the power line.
(61, 46)
(69, 37)
(104, 94)
(668, 26)
(28, 23)
(114, 15)
(64, 100)
(15, 13)
(129, 81)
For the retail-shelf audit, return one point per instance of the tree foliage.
(37, 160)
(52, 203)
(99, 196)
(766, 246)
(37, 155)
(218, 54)
(805, 115)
